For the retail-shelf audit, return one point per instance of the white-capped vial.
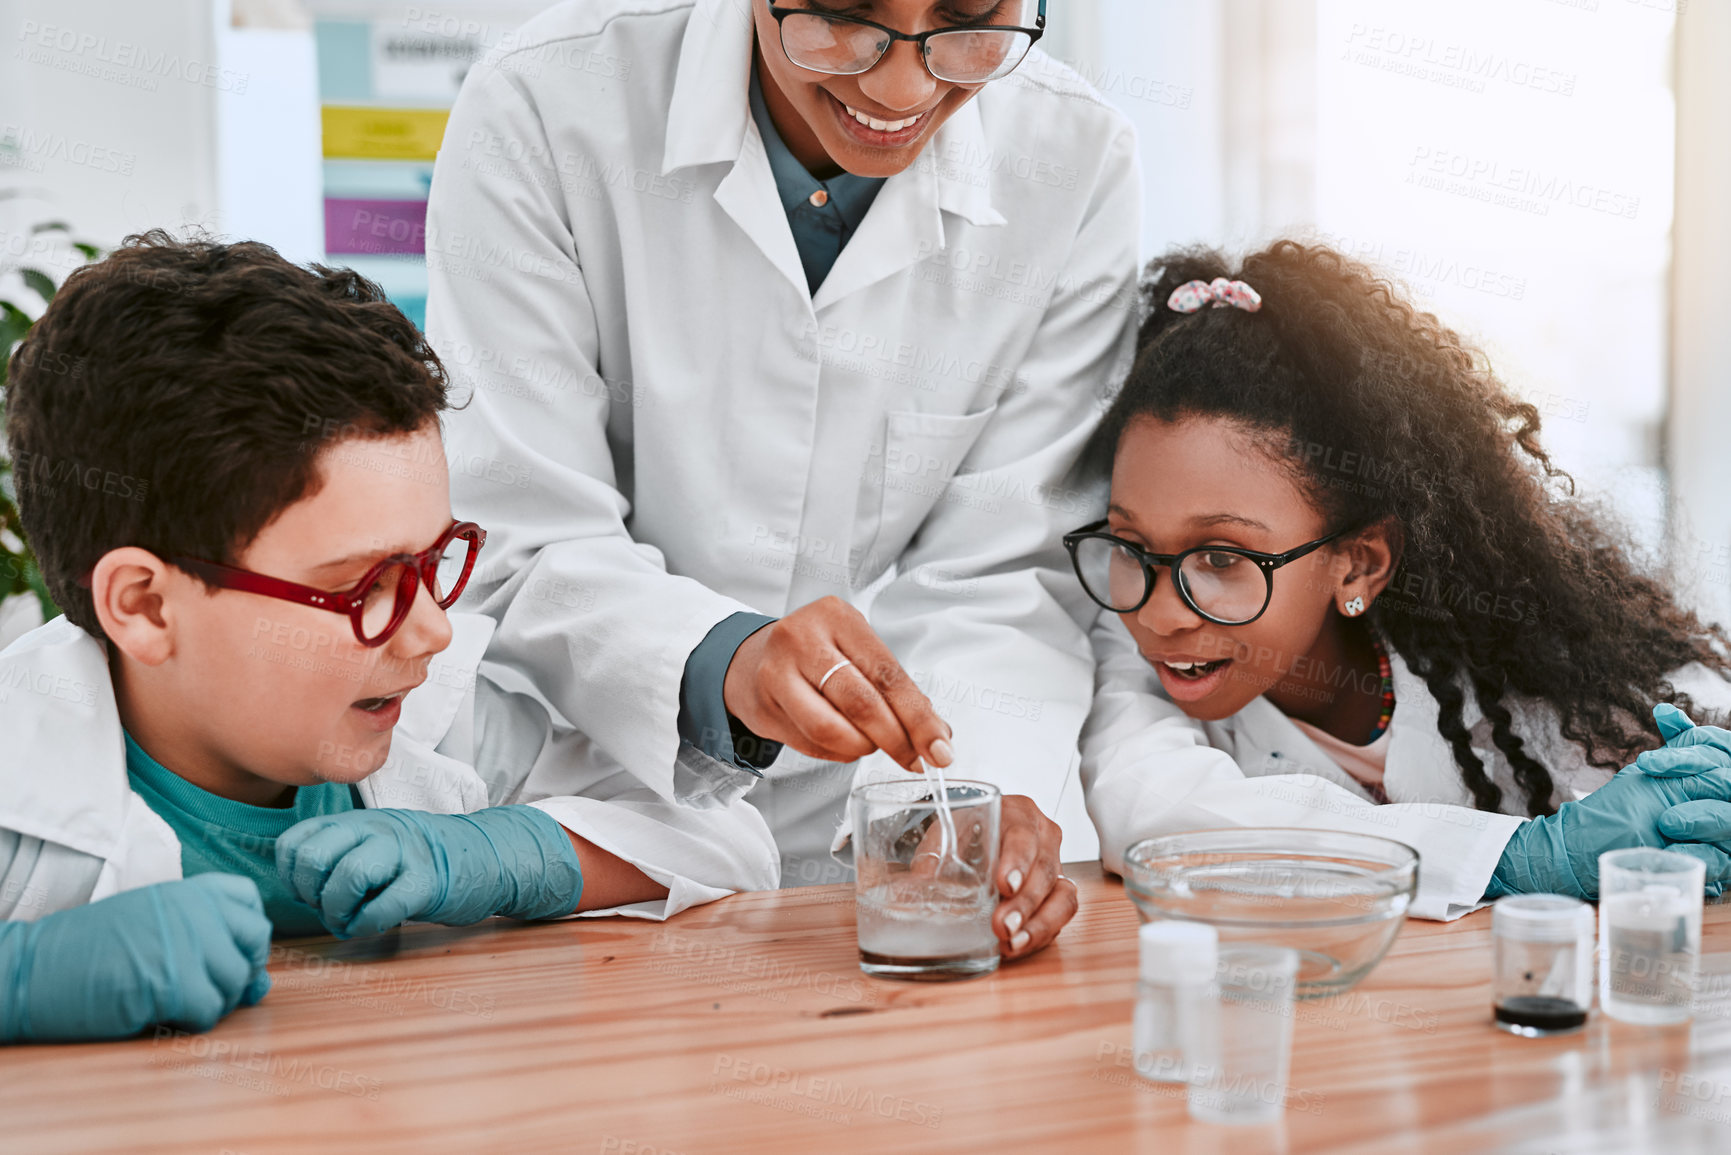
(1543, 981)
(1176, 998)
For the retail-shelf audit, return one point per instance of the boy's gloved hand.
(1677, 797)
(181, 953)
(369, 870)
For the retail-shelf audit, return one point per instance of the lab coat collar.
(710, 108)
(906, 222)
(417, 775)
(63, 774)
(709, 122)
(1420, 765)
(961, 157)
(432, 708)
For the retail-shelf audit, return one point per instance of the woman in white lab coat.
(1348, 595)
(785, 329)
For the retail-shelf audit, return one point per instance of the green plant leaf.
(51, 227)
(14, 574)
(13, 566)
(40, 282)
(14, 323)
(90, 251)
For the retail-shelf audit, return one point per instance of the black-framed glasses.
(1223, 584)
(849, 45)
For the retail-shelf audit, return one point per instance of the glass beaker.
(1542, 983)
(1240, 1076)
(924, 908)
(1649, 933)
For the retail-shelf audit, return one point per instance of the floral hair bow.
(1192, 295)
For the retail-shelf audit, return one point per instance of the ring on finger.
(832, 672)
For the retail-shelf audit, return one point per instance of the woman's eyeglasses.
(1223, 584)
(379, 603)
(848, 45)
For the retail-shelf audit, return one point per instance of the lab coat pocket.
(907, 472)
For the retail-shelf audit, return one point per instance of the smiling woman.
(908, 248)
(862, 87)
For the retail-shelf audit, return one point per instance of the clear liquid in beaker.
(1647, 973)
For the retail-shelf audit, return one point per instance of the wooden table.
(747, 1026)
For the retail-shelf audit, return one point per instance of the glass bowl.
(1336, 898)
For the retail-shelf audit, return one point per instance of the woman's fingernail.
(1013, 921)
(1019, 941)
(941, 753)
(1015, 881)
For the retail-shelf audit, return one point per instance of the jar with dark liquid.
(1543, 983)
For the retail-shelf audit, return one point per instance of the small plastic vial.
(1177, 999)
(1543, 983)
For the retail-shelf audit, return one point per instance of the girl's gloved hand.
(369, 870)
(1688, 746)
(182, 953)
(1677, 797)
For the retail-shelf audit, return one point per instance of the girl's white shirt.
(72, 830)
(1149, 769)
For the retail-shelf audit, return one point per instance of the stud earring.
(1353, 608)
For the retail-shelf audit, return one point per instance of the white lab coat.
(1149, 769)
(667, 427)
(73, 831)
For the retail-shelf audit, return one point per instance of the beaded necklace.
(1387, 691)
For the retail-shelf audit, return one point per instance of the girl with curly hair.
(1350, 590)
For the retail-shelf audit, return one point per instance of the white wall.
(110, 106)
(1512, 160)
(1160, 62)
(1698, 425)
(269, 185)
(1345, 120)
(132, 114)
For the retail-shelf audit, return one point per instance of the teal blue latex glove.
(369, 870)
(1681, 789)
(1687, 745)
(182, 954)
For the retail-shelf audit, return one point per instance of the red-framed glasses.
(378, 604)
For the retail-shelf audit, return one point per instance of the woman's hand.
(1035, 901)
(869, 703)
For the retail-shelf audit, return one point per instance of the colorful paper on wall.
(358, 225)
(383, 133)
(388, 75)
